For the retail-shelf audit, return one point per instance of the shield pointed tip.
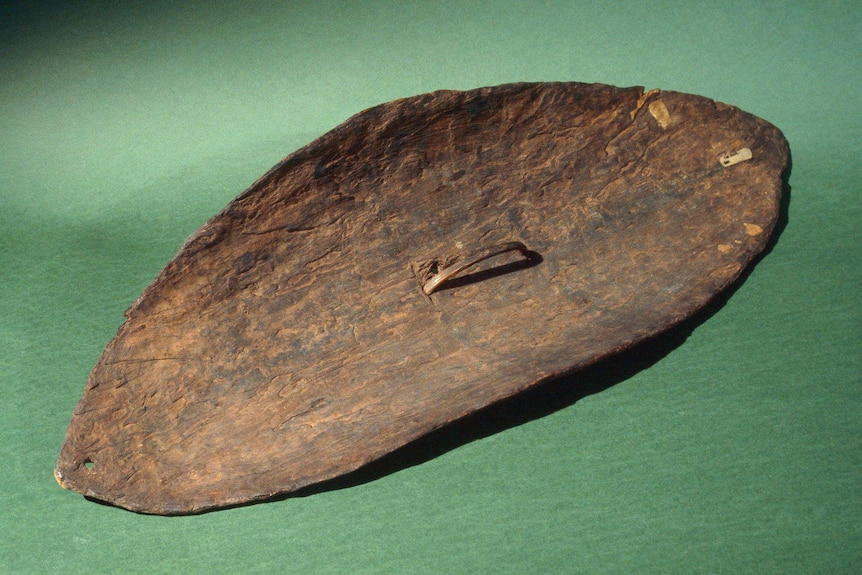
(58, 475)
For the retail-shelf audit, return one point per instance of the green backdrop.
(733, 445)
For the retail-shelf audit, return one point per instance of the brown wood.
(292, 340)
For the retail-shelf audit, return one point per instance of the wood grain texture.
(290, 340)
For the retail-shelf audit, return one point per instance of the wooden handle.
(458, 267)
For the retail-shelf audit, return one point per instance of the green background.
(733, 445)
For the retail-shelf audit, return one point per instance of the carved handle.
(458, 267)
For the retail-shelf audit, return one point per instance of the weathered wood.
(292, 340)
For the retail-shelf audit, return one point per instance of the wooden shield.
(426, 258)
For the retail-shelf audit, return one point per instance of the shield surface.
(426, 258)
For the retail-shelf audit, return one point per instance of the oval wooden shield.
(426, 258)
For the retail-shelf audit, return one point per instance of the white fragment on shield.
(728, 159)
